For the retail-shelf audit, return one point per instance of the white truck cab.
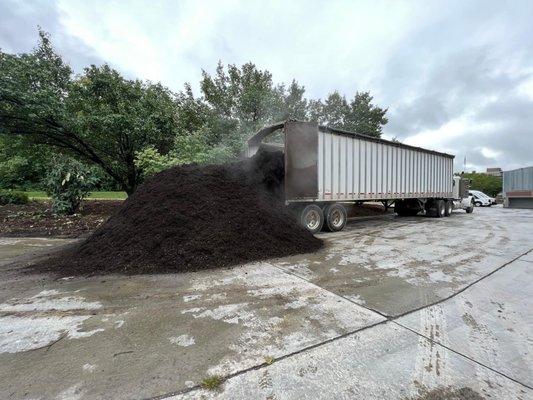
(462, 199)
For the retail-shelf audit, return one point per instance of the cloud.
(456, 76)
(18, 31)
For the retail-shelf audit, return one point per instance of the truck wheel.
(440, 209)
(470, 210)
(312, 218)
(449, 208)
(335, 217)
(399, 208)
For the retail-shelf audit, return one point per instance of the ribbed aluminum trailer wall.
(518, 179)
(356, 168)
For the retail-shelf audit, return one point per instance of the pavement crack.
(462, 289)
(333, 293)
(434, 342)
(266, 364)
(386, 320)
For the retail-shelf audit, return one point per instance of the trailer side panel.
(354, 168)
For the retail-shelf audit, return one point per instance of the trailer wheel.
(335, 217)
(449, 208)
(440, 209)
(312, 218)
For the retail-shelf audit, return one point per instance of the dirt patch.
(463, 393)
(194, 217)
(36, 219)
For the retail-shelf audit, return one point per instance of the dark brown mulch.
(36, 219)
(194, 217)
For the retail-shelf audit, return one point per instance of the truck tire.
(470, 210)
(449, 208)
(440, 209)
(312, 218)
(399, 208)
(335, 217)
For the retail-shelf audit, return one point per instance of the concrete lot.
(391, 308)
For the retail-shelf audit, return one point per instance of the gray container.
(518, 179)
(326, 164)
(518, 188)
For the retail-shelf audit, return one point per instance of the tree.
(364, 117)
(294, 103)
(359, 115)
(99, 116)
(488, 184)
(334, 111)
(22, 166)
(241, 100)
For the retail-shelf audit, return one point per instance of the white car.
(481, 199)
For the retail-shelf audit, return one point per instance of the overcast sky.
(456, 76)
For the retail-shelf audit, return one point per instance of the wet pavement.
(390, 308)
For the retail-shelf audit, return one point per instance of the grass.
(40, 195)
(212, 382)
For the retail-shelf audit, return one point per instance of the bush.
(12, 197)
(187, 149)
(68, 183)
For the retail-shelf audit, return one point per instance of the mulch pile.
(194, 217)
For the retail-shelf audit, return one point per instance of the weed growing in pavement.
(211, 382)
(269, 360)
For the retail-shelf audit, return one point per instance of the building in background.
(494, 171)
(518, 188)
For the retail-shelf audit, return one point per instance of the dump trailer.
(327, 168)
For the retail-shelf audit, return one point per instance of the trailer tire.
(440, 209)
(312, 218)
(335, 217)
(449, 208)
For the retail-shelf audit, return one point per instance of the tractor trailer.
(327, 168)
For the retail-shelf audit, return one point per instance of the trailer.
(326, 168)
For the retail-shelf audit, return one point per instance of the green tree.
(364, 117)
(488, 184)
(295, 105)
(22, 166)
(241, 100)
(99, 116)
(358, 115)
(335, 110)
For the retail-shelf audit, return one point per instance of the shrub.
(12, 197)
(187, 149)
(68, 183)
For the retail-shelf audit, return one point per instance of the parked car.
(481, 199)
